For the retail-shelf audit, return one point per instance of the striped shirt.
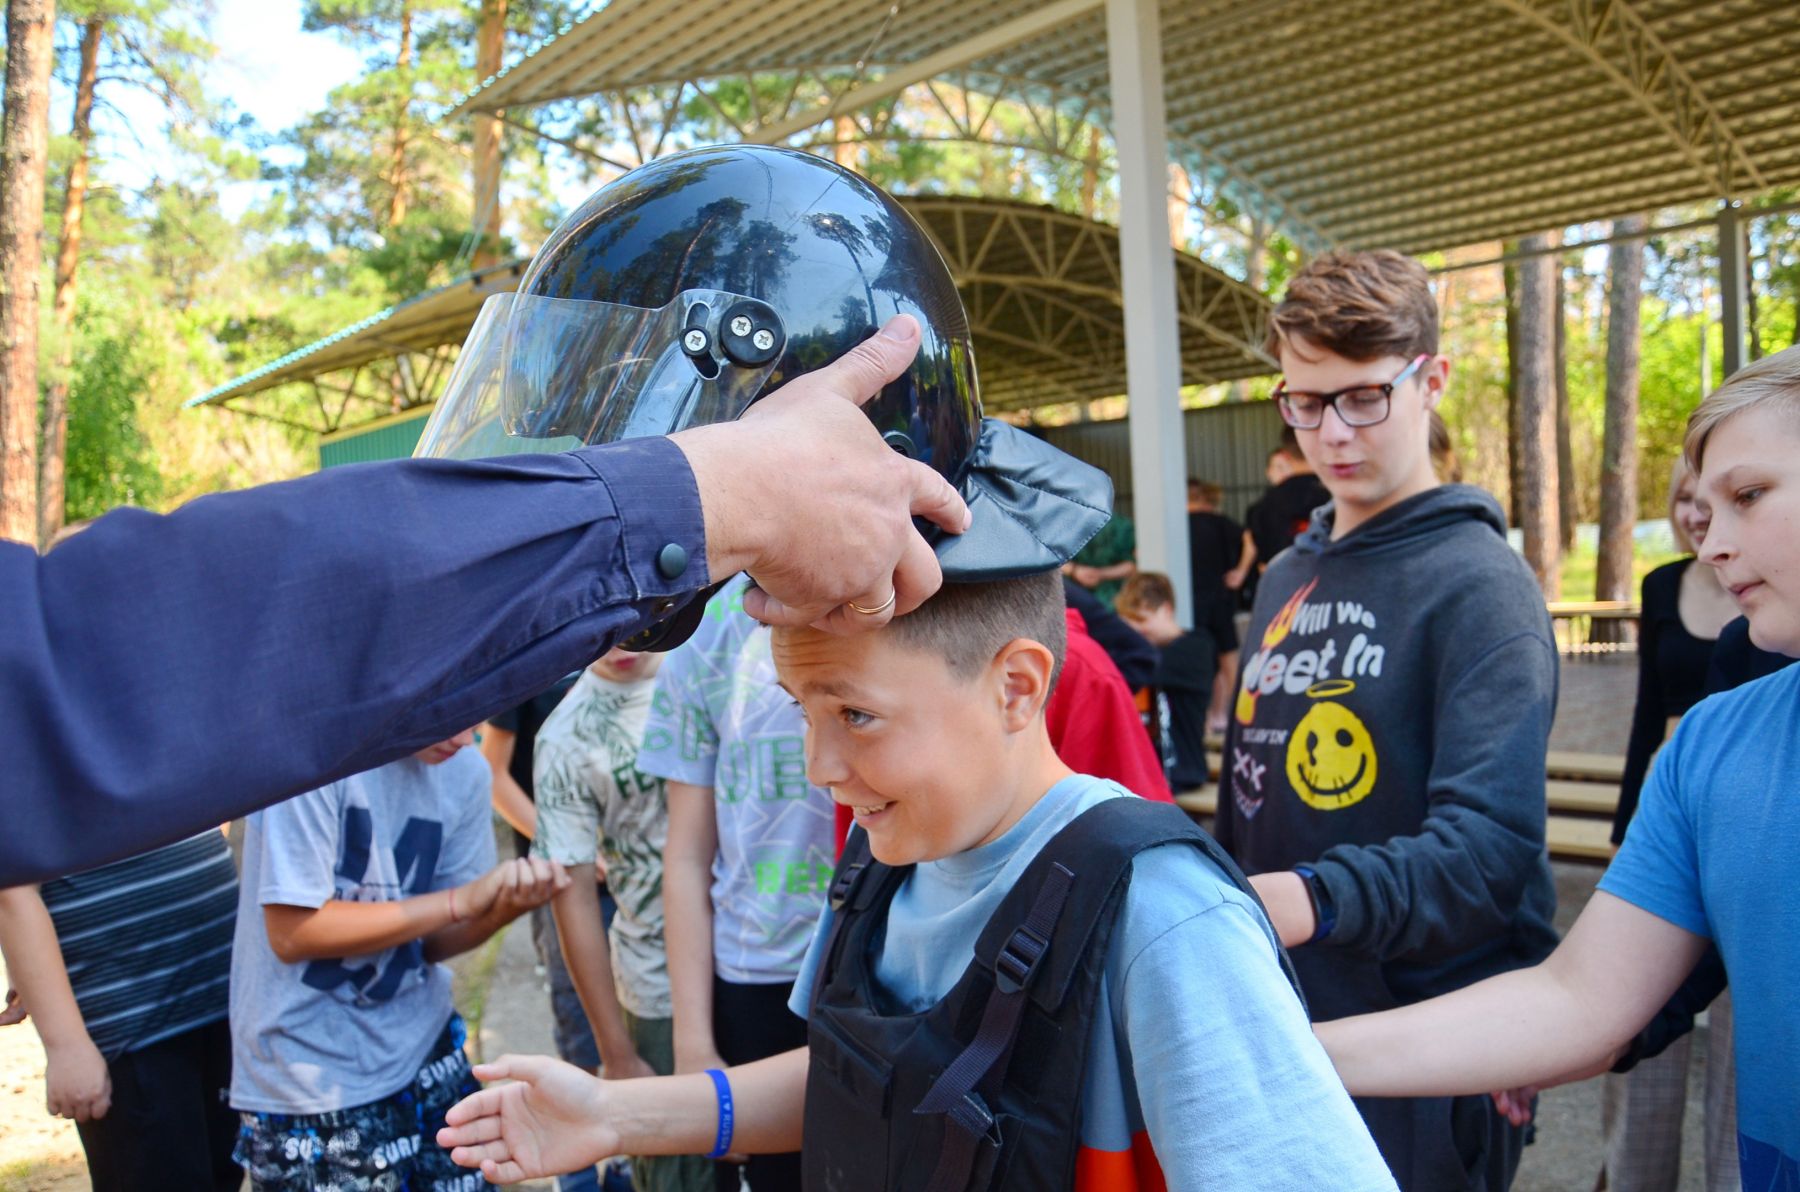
(147, 941)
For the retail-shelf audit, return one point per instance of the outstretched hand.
(546, 1122)
(803, 494)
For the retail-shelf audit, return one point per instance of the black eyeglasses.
(1359, 405)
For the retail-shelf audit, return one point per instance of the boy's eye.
(800, 707)
(855, 718)
(1747, 496)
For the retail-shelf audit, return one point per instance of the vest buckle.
(1018, 959)
(844, 884)
(971, 1115)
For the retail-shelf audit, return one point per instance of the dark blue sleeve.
(162, 674)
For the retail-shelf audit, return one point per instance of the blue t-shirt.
(1201, 1060)
(338, 1032)
(1712, 850)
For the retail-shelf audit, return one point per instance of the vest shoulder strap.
(1099, 845)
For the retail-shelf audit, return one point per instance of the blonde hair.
(1677, 474)
(1773, 381)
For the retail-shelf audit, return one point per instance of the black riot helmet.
(678, 294)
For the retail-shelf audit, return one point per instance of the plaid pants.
(1642, 1112)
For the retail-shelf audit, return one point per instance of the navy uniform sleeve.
(163, 674)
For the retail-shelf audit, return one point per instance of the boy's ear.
(1437, 379)
(1024, 668)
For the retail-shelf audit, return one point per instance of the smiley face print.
(1331, 758)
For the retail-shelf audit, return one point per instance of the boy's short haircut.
(966, 624)
(1209, 492)
(1772, 381)
(1359, 305)
(1144, 592)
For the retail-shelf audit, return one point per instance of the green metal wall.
(393, 440)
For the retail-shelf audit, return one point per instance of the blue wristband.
(727, 1117)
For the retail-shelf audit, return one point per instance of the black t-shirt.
(1283, 513)
(1215, 543)
(1184, 681)
(524, 722)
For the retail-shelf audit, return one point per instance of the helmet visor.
(548, 374)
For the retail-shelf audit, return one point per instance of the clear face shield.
(543, 374)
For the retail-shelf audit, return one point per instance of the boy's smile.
(1750, 484)
(929, 763)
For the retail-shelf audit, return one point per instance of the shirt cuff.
(662, 533)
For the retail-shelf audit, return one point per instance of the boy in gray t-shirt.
(345, 1049)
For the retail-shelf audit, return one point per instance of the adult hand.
(76, 1083)
(803, 494)
(551, 1120)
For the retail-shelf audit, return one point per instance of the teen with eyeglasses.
(1383, 775)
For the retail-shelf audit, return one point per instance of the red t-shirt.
(1094, 722)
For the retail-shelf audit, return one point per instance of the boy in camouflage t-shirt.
(594, 803)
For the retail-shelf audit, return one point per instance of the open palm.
(548, 1121)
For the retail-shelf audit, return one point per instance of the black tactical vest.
(982, 1090)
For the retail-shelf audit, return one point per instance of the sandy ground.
(38, 1153)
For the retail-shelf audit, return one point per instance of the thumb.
(864, 370)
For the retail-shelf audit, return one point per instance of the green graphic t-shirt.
(719, 720)
(593, 800)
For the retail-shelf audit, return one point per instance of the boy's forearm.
(34, 963)
(340, 928)
(679, 1115)
(581, 930)
(687, 930)
(1519, 1028)
(1573, 1013)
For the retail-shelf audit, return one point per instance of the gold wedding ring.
(878, 609)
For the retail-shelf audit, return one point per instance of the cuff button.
(672, 561)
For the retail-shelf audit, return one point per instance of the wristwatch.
(1324, 911)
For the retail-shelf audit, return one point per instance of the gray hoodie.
(1393, 713)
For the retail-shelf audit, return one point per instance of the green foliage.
(110, 459)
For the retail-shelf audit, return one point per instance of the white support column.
(1152, 331)
(1734, 286)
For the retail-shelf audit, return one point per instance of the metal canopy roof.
(1415, 124)
(1042, 289)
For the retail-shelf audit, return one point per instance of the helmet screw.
(740, 326)
(764, 339)
(694, 341)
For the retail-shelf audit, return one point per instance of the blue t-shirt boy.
(1712, 851)
(1201, 1061)
(332, 1033)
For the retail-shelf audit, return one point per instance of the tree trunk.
(490, 51)
(1509, 278)
(62, 302)
(398, 184)
(1539, 294)
(1619, 457)
(1565, 446)
(29, 48)
(1256, 269)
(1179, 199)
(1752, 312)
(1090, 172)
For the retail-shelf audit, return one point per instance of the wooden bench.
(1579, 827)
(1573, 622)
